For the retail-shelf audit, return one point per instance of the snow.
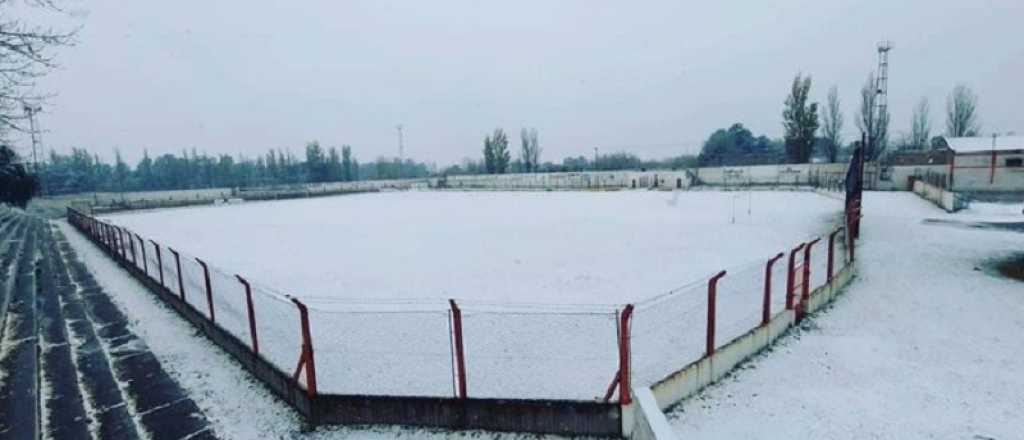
(564, 247)
(993, 212)
(925, 343)
(985, 143)
(375, 271)
(237, 405)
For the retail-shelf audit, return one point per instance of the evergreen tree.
(334, 171)
(121, 171)
(347, 168)
(144, 171)
(17, 186)
(316, 166)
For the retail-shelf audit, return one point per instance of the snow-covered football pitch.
(540, 276)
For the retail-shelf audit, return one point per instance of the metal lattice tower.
(31, 111)
(401, 150)
(882, 79)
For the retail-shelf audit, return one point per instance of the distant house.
(981, 164)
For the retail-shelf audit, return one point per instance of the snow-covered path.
(927, 342)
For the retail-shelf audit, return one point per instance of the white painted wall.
(974, 172)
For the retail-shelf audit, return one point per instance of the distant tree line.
(497, 159)
(605, 162)
(82, 171)
(800, 144)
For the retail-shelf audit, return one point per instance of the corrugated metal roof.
(984, 143)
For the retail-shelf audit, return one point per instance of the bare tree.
(920, 126)
(25, 56)
(873, 125)
(530, 153)
(832, 125)
(499, 150)
(800, 120)
(961, 112)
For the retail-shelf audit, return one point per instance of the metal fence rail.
(466, 349)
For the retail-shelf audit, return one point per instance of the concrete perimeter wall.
(832, 175)
(877, 177)
(694, 377)
(948, 200)
(644, 420)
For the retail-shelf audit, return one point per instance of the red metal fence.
(471, 349)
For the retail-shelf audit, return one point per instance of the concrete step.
(19, 360)
(70, 366)
(160, 406)
(64, 413)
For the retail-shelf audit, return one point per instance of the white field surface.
(531, 247)
(925, 343)
(236, 404)
(539, 276)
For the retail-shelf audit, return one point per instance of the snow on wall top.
(984, 143)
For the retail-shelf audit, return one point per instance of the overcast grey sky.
(651, 77)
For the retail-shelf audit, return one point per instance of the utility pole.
(401, 150)
(31, 112)
(36, 143)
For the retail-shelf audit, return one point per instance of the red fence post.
(142, 246)
(159, 262)
(851, 240)
(119, 239)
(131, 247)
(306, 358)
(712, 290)
(806, 293)
(852, 244)
(831, 252)
(124, 247)
(625, 398)
(177, 263)
(460, 354)
(790, 280)
(766, 308)
(252, 314)
(209, 289)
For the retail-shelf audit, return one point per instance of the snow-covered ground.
(925, 343)
(239, 407)
(538, 275)
(560, 247)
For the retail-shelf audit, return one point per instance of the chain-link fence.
(445, 348)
